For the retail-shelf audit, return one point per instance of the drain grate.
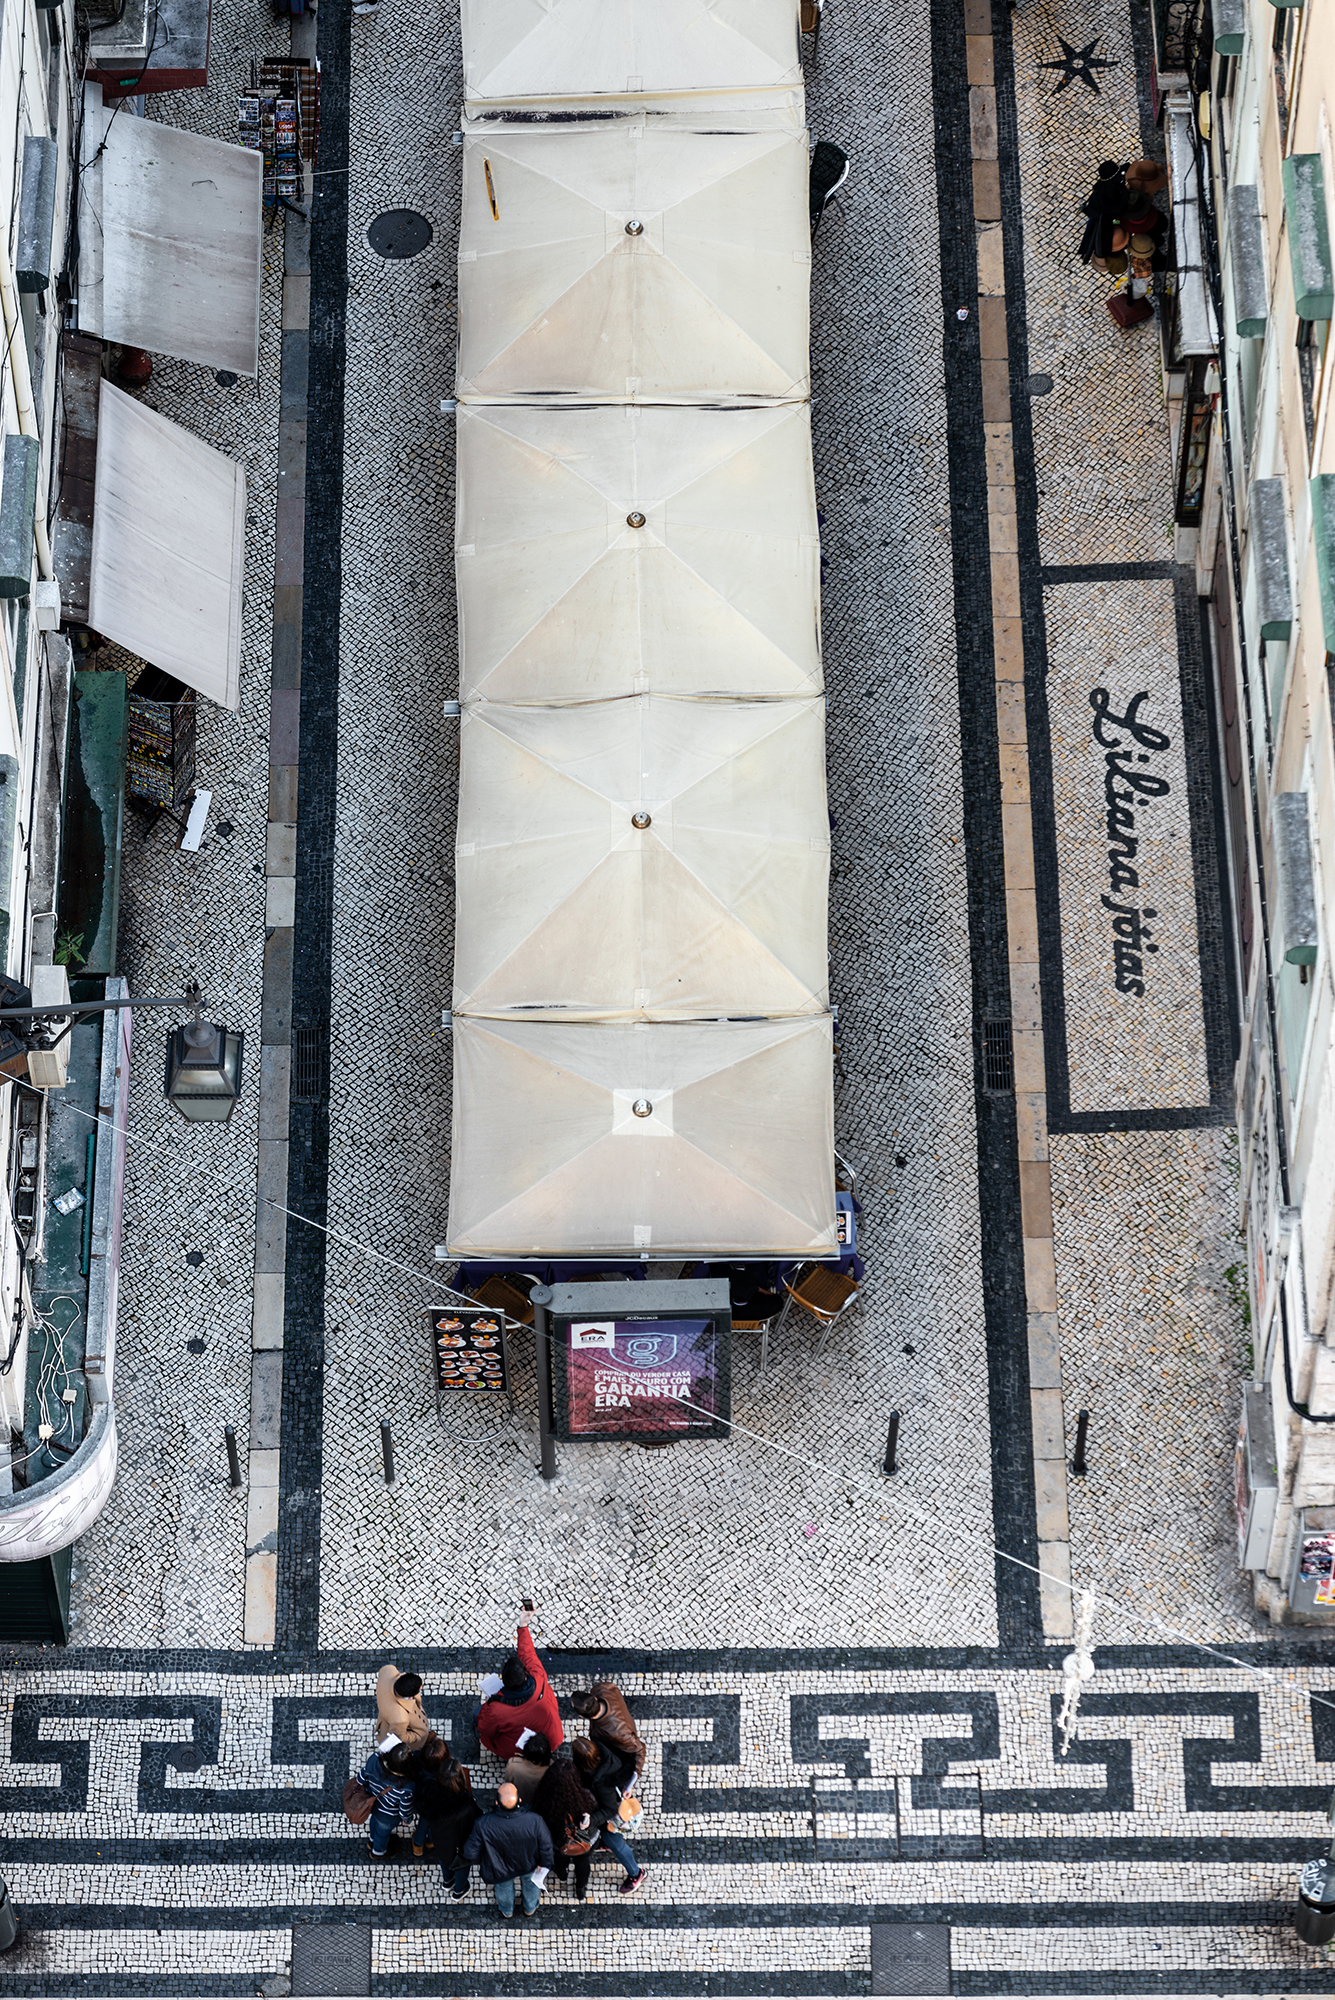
(998, 1056)
(310, 1064)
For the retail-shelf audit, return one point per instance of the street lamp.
(203, 1075)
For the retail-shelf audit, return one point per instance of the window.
(1312, 337)
(1286, 29)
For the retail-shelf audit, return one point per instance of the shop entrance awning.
(642, 859)
(168, 537)
(586, 48)
(561, 598)
(703, 1138)
(629, 265)
(169, 240)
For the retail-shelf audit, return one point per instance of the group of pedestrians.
(554, 1806)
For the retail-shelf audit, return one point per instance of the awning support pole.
(18, 361)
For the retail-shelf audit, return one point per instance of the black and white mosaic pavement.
(855, 1782)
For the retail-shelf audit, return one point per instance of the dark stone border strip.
(225, 1850)
(1216, 987)
(1005, 1308)
(1146, 572)
(1295, 1649)
(628, 1916)
(686, 1985)
(297, 1629)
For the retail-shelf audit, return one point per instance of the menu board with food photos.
(468, 1344)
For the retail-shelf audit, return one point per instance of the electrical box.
(1256, 1472)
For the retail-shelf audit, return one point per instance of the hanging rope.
(1077, 1667)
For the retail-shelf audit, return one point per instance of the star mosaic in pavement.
(1079, 63)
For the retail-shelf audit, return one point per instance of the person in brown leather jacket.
(603, 1707)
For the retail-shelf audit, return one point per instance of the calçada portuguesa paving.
(855, 1781)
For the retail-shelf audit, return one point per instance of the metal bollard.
(1078, 1466)
(889, 1464)
(541, 1297)
(233, 1462)
(1314, 1918)
(387, 1450)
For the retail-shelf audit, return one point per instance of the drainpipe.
(18, 361)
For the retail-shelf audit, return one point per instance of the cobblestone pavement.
(855, 1779)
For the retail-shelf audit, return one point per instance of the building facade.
(1254, 86)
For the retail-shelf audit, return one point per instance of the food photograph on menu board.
(468, 1345)
(651, 1380)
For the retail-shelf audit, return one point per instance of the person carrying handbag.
(569, 1811)
(599, 1771)
(387, 1777)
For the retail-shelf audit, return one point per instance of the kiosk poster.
(643, 1378)
(468, 1343)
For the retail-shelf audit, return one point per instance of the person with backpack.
(513, 1849)
(388, 1776)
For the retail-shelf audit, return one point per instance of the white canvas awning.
(733, 1157)
(714, 905)
(169, 240)
(560, 599)
(706, 300)
(589, 48)
(169, 523)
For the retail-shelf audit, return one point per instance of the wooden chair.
(504, 1295)
(822, 1290)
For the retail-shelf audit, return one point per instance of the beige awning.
(733, 1155)
(586, 48)
(169, 527)
(169, 239)
(714, 905)
(703, 300)
(560, 599)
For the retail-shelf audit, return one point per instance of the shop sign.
(647, 1379)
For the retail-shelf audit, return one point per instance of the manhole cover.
(331, 1958)
(399, 232)
(909, 1959)
(1039, 385)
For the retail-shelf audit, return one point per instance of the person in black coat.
(571, 1812)
(512, 1846)
(599, 1770)
(447, 1812)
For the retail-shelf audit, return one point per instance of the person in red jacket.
(524, 1700)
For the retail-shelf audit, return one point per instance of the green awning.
(1230, 25)
(1309, 236)
(1323, 540)
(90, 867)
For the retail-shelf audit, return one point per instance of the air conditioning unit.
(48, 1069)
